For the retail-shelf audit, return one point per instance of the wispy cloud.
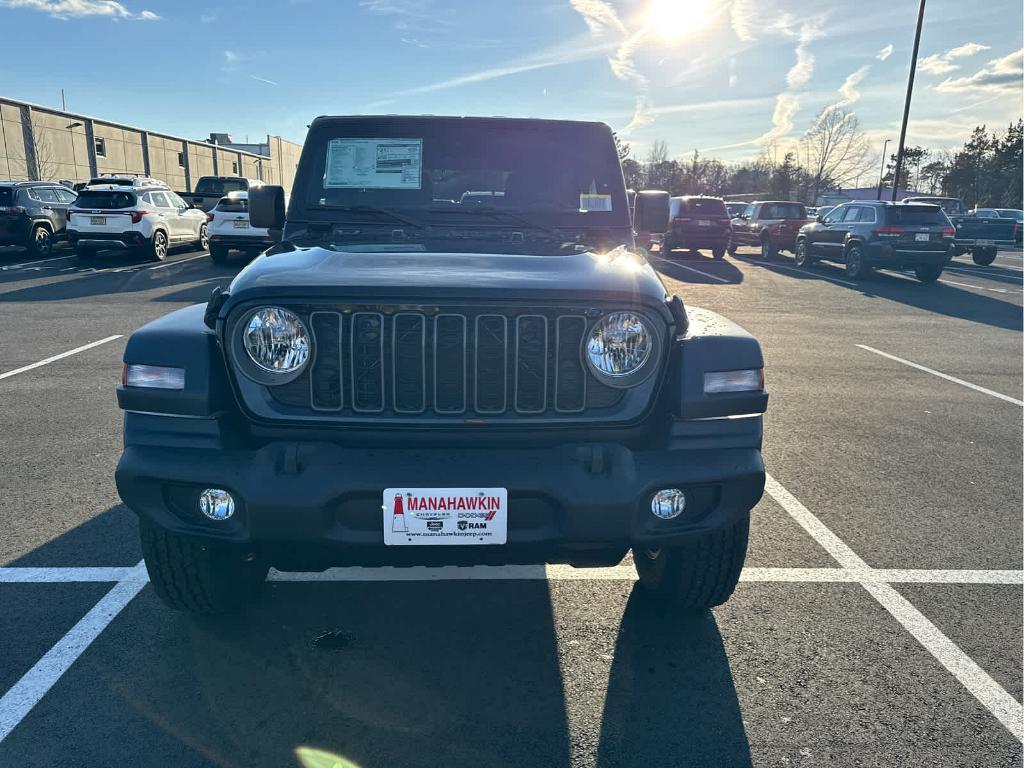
(76, 9)
(848, 90)
(885, 53)
(263, 80)
(208, 18)
(800, 73)
(999, 75)
(944, 63)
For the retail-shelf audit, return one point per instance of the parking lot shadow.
(110, 538)
(687, 267)
(941, 298)
(671, 697)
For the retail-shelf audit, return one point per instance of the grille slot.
(491, 394)
(368, 362)
(450, 364)
(570, 377)
(531, 363)
(325, 390)
(409, 349)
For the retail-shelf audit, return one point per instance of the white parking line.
(692, 269)
(945, 376)
(15, 575)
(39, 261)
(987, 691)
(59, 357)
(179, 261)
(34, 684)
(978, 287)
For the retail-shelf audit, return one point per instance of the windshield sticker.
(591, 202)
(374, 164)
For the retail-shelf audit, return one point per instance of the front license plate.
(984, 243)
(703, 223)
(438, 516)
(97, 221)
(922, 237)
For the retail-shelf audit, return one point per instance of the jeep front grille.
(376, 363)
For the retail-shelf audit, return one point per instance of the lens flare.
(672, 20)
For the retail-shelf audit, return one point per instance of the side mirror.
(183, 208)
(266, 207)
(651, 213)
(820, 219)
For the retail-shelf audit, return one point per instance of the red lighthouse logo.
(398, 516)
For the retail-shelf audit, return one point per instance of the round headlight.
(619, 345)
(276, 340)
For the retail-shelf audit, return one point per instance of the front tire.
(158, 246)
(192, 577)
(802, 257)
(697, 575)
(856, 265)
(983, 256)
(40, 241)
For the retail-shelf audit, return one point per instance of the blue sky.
(720, 76)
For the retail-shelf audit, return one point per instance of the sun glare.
(673, 19)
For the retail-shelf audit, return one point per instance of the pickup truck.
(398, 382)
(981, 236)
(210, 189)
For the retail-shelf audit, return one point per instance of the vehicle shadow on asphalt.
(111, 538)
(940, 298)
(682, 266)
(671, 697)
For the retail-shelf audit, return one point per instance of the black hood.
(288, 273)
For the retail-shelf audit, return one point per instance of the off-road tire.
(929, 274)
(769, 250)
(158, 246)
(856, 265)
(802, 255)
(192, 577)
(40, 241)
(983, 256)
(218, 253)
(698, 575)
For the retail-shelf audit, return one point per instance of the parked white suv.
(146, 218)
(230, 228)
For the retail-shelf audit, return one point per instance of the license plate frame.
(922, 237)
(703, 222)
(241, 224)
(97, 221)
(445, 516)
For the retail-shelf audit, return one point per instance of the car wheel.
(718, 253)
(768, 249)
(204, 238)
(731, 249)
(667, 246)
(41, 241)
(697, 575)
(929, 274)
(219, 254)
(158, 246)
(983, 256)
(856, 266)
(197, 578)
(802, 257)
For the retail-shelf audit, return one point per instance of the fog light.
(216, 504)
(668, 503)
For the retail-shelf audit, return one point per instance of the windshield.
(706, 206)
(220, 186)
(431, 170)
(917, 214)
(952, 206)
(783, 211)
(1010, 213)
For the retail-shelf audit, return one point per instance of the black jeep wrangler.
(452, 356)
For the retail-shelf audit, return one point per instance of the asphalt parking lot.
(879, 620)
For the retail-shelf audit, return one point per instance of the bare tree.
(834, 151)
(42, 155)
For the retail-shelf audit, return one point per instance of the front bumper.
(306, 506)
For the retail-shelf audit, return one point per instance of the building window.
(234, 168)
(181, 159)
(101, 146)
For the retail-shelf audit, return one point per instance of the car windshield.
(1011, 213)
(219, 186)
(104, 199)
(502, 172)
(233, 205)
(951, 206)
(917, 214)
(783, 211)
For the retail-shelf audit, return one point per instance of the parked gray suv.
(33, 214)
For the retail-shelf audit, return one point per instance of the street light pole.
(906, 107)
(881, 173)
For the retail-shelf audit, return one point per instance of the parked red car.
(770, 225)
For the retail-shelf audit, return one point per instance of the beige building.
(49, 144)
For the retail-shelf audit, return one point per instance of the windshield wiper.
(381, 214)
(494, 212)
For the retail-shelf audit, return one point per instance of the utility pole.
(63, 102)
(906, 107)
(881, 173)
